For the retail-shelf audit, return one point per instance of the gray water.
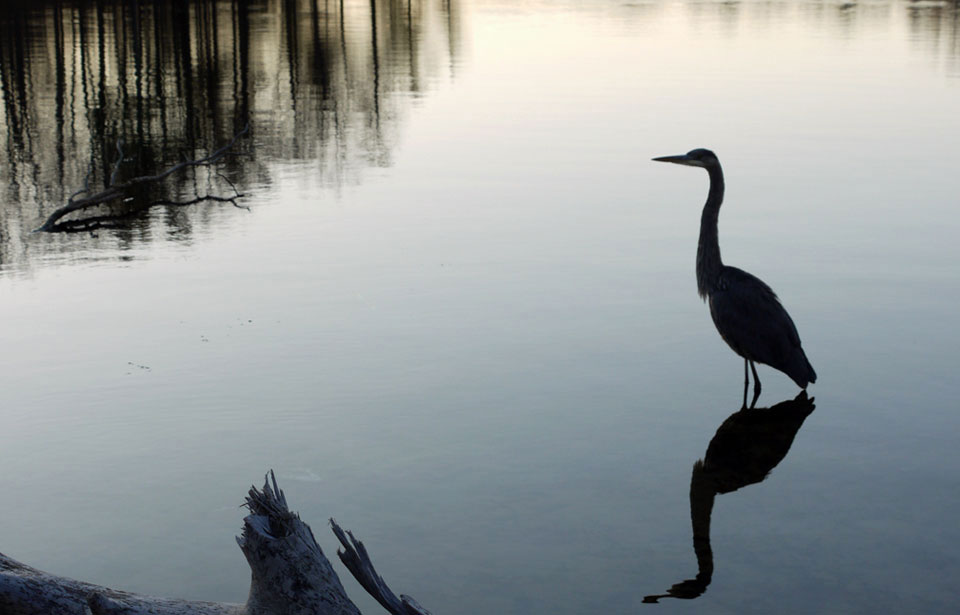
(456, 307)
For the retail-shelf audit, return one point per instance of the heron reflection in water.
(745, 449)
(746, 312)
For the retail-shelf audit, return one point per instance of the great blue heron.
(745, 310)
(745, 449)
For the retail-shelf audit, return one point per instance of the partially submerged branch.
(126, 192)
(289, 575)
(354, 556)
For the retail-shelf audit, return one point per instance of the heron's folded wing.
(750, 318)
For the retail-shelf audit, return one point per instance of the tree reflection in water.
(324, 81)
(745, 449)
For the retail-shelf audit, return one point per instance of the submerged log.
(290, 575)
(131, 195)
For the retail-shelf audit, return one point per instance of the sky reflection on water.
(461, 315)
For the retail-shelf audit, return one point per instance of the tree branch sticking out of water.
(290, 574)
(125, 192)
(354, 556)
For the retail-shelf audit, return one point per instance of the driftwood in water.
(290, 575)
(354, 557)
(130, 195)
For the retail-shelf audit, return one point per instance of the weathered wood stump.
(290, 575)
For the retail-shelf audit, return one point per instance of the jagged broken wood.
(126, 192)
(290, 575)
(354, 556)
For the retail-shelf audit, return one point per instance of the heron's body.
(746, 312)
(754, 324)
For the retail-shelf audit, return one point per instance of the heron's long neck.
(708, 250)
(703, 491)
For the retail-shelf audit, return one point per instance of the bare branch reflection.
(318, 81)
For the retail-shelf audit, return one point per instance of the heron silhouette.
(746, 312)
(745, 449)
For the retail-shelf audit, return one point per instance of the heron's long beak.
(681, 159)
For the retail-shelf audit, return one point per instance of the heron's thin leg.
(756, 384)
(746, 383)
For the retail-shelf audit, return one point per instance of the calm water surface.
(459, 311)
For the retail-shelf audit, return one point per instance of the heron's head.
(694, 158)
